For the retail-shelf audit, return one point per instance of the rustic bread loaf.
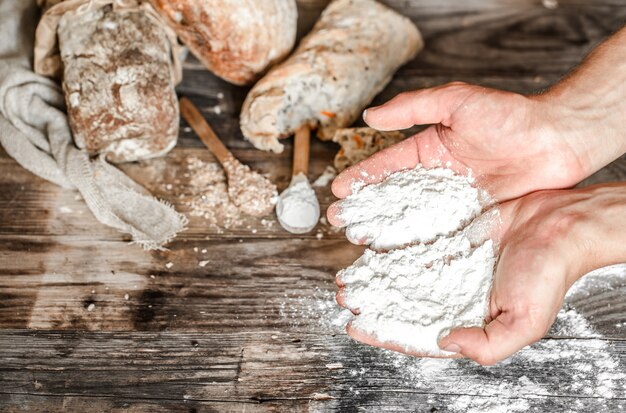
(358, 144)
(235, 39)
(348, 58)
(118, 83)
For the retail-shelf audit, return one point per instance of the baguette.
(347, 59)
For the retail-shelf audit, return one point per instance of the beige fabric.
(34, 131)
(47, 56)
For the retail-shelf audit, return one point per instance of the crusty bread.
(235, 39)
(358, 144)
(118, 84)
(348, 58)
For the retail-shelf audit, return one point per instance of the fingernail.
(364, 114)
(452, 348)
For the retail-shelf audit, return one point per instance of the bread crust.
(118, 85)
(338, 68)
(358, 144)
(235, 39)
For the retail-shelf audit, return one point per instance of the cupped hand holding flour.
(433, 274)
(547, 240)
(513, 144)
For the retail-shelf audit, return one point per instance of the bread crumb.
(91, 307)
(326, 177)
(168, 266)
(126, 296)
(203, 263)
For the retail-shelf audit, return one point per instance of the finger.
(421, 107)
(333, 215)
(354, 238)
(340, 297)
(402, 155)
(365, 338)
(425, 147)
(502, 337)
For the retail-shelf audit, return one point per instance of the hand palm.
(508, 141)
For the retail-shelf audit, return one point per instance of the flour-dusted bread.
(118, 83)
(358, 144)
(348, 58)
(235, 39)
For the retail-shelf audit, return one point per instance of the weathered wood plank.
(289, 370)
(244, 286)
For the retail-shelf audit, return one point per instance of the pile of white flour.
(412, 296)
(413, 205)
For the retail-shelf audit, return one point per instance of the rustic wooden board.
(255, 329)
(274, 371)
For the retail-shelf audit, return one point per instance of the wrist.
(588, 107)
(601, 231)
(593, 128)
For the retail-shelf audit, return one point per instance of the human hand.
(547, 240)
(512, 144)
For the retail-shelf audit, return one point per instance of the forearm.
(589, 105)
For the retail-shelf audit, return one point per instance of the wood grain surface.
(91, 323)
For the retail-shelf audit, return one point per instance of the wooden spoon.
(298, 209)
(252, 193)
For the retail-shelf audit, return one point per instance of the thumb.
(421, 107)
(501, 338)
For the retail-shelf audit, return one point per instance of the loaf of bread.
(235, 39)
(349, 57)
(118, 83)
(358, 144)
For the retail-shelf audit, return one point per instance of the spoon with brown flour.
(253, 193)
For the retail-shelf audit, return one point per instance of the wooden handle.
(194, 118)
(301, 150)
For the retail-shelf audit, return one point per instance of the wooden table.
(255, 329)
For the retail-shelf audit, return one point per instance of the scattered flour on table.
(410, 206)
(584, 368)
(412, 296)
(298, 207)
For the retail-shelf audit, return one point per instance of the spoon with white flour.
(253, 193)
(298, 209)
